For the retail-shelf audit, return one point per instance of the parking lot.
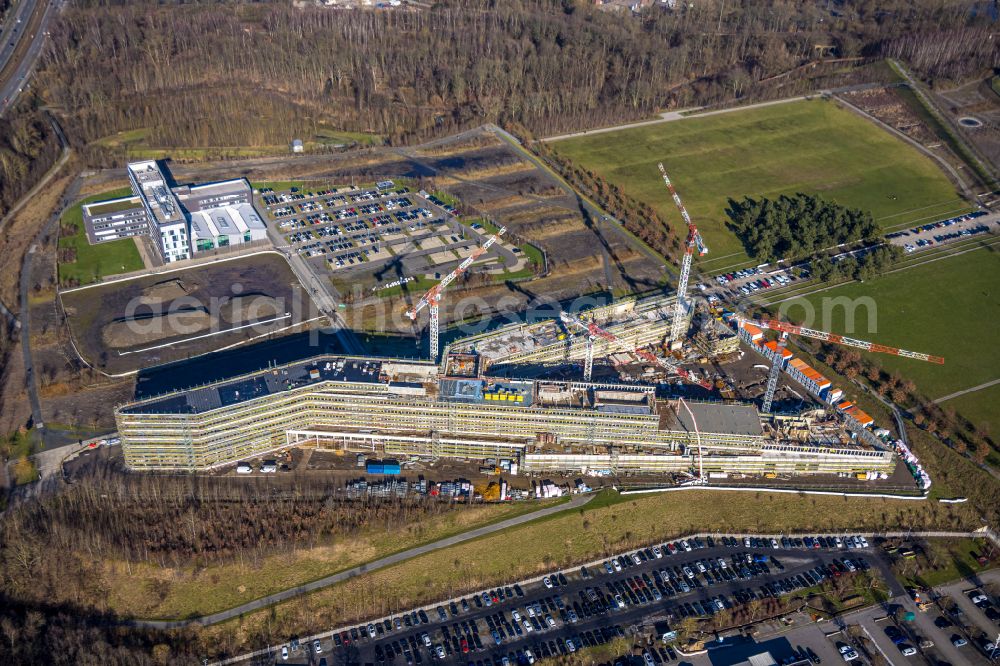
(340, 229)
(935, 233)
(570, 610)
(749, 281)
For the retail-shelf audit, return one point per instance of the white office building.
(180, 220)
(166, 219)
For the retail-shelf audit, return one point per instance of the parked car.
(847, 652)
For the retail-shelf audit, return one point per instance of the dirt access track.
(127, 325)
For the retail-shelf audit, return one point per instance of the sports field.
(810, 146)
(948, 308)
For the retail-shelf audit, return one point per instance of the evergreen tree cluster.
(794, 227)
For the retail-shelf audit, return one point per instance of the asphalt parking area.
(563, 612)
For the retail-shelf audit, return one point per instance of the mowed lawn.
(96, 261)
(949, 308)
(811, 146)
(981, 407)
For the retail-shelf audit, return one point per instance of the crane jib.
(775, 325)
(434, 293)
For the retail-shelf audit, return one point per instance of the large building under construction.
(400, 408)
(636, 323)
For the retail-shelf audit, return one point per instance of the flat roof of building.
(261, 383)
(212, 195)
(225, 221)
(713, 417)
(156, 192)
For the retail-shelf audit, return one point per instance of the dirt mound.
(124, 334)
(163, 292)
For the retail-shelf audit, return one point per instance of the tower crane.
(783, 327)
(433, 296)
(694, 240)
(594, 331)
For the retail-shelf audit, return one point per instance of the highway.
(17, 56)
(13, 29)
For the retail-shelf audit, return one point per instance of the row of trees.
(637, 216)
(941, 421)
(866, 266)
(792, 227)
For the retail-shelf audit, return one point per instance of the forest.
(28, 147)
(175, 521)
(171, 520)
(249, 74)
(793, 227)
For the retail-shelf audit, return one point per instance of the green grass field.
(96, 261)
(809, 146)
(136, 142)
(329, 136)
(948, 308)
(979, 407)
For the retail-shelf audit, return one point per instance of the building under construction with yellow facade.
(396, 407)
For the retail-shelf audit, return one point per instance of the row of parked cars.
(777, 280)
(853, 541)
(738, 275)
(763, 282)
(983, 602)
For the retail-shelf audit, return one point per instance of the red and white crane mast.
(433, 296)
(694, 240)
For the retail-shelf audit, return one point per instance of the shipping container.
(382, 467)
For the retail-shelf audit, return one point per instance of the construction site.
(638, 387)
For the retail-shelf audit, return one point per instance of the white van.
(244, 468)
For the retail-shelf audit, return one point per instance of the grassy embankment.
(612, 525)
(147, 590)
